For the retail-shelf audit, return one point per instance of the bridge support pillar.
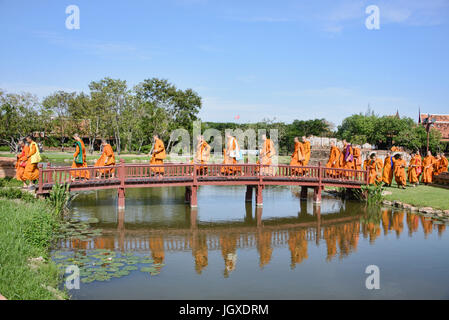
(121, 198)
(304, 191)
(317, 195)
(188, 193)
(193, 197)
(317, 214)
(259, 197)
(249, 194)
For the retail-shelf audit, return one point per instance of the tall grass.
(26, 231)
(60, 197)
(372, 194)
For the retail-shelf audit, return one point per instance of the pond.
(229, 249)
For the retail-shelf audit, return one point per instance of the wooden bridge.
(191, 176)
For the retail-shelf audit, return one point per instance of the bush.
(14, 193)
(5, 148)
(60, 197)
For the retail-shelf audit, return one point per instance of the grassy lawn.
(421, 196)
(10, 182)
(26, 231)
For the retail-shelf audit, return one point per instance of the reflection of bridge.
(340, 233)
(191, 176)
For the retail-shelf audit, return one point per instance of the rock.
(386, 193)
(426, 210)
(406, 206)
(397, 204)
(446, 212)
(387, 203)
(413, 209)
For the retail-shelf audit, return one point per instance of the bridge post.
(188, 192)
(317, 195)
(259, 197)
(193, 218)
(121, 189)
(193, 197)
(41, 183)
(249, 194)
(303, 194)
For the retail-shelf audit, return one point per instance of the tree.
(19, 116)
(415, 138)
(56, 106)
(114, 94)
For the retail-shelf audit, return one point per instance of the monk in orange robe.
(443, 163)
(307, 150)
(31, 172)
(21, 162)
(427, 164)
(297, 158)
(399, 165)
(158, 155)
(374, 165)
(357, 158)
(334, 159)
(106, 159)
(348, 157)
(387, 175)
(231, 153)
(412, 172)
(79, 159)
(418, 163)
(266, 155)
(202, 154)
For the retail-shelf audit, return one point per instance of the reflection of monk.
(441, 229)
(398, 222)
(372, 230)
(297, 243)
(157, 248)
(104, 243)
(331, 242)
(386, 221)
(412, 223)
(264, 247)
(228, 244)
(426, 225)
(199, 251)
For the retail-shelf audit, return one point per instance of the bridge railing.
(52, 175)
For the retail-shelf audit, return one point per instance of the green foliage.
(386, 131)
(60, 197)
(10, 182)
(5, 148)
(372, 194)
(27, 231)
(15, 193)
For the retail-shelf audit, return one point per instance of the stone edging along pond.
(425, 211)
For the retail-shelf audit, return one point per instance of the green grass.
(26, 231)
(10, 182)
(421, 196)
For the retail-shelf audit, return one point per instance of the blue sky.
(256, 59)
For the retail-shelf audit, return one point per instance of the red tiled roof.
(441, 123)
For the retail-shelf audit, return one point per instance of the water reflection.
(339, 230)
(222, 239)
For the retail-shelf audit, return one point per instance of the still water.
(289, 249)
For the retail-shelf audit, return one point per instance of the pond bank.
(420, 196)
(27, 231)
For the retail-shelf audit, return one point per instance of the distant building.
(441, 123)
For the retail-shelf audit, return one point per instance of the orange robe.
(412, 171)
(334, 159)
(399, 171)
(442, 165)
(202, 156)
(158, 156)
(375, 170)
(307, 152)
(268, 152)
(80, 173)
(427, 169)
(107, 158)
(347, 160)
(297, 157)
(231, 147)
(31, 171)
(21, 162)
(387, 175)
(357, 159)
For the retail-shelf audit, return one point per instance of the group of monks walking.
(345, 160)
(382, 172)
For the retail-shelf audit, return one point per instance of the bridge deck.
(124, 176)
